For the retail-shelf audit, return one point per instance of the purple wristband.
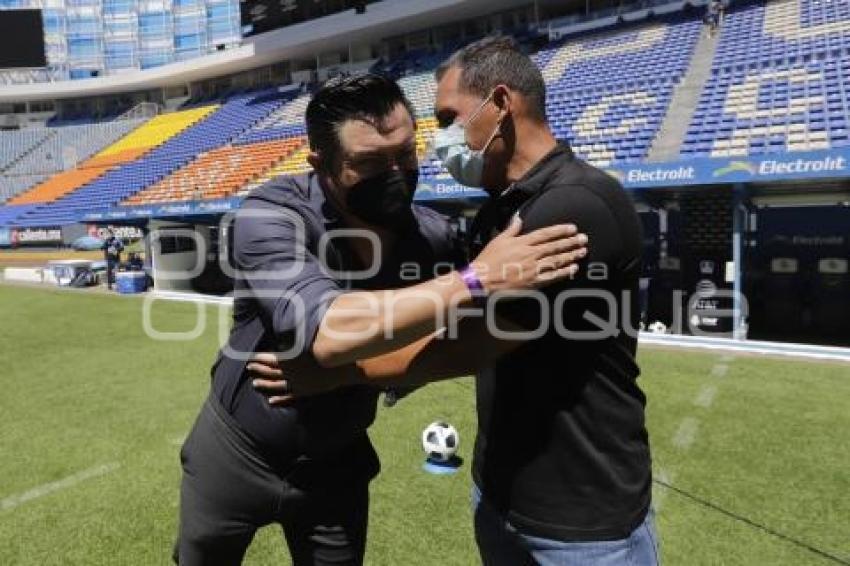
(473, 283)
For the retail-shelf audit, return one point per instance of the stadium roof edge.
(383, 19)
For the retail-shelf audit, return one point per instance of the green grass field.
(84, 390)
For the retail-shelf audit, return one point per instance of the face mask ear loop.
(492, 137)
(478, 110)
(474, 116)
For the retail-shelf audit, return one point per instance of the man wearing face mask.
(323, 265)
(562, 465)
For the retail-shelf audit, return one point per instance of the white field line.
(46, 489)
(706, 395)
(719, 370)
(686, 433)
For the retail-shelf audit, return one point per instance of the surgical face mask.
(463, 163)
(385, 200)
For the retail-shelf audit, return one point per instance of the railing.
(139, 111)
(51, 73)
(561, 26)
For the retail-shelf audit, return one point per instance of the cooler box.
(128, 282)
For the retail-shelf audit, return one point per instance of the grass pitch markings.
(686, 433)
(706, 395)
(46, 489)
(719, 370)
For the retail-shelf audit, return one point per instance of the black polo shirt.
(290, 270)
(562, 449)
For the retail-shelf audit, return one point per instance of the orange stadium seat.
(59, 185)
(219, 173)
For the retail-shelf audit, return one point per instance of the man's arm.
(480, 340)
(362, 325)
(425, 359)
(429, 359)
(311, 314)
(439, 357)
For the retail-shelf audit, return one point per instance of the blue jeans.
(500, 544)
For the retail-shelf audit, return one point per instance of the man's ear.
(504, 100)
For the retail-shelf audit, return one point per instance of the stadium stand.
(60, 184)
(155, 132)
(9, 213)
(155, 150)
(15, 144)
(286, 121)
(609, 119)
(223, 171)
(12, 185)
(64, 147)
(420, 88)
(218, 173)
(135, 143)
(294, 164)
(780, 81)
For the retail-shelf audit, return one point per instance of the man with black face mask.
(332, 267)
(384, 200)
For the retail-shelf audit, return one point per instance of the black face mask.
(384, 200)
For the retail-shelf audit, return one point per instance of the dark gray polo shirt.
(289, 274)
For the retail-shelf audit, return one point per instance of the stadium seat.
(64, 147)
(152, 152)
(776, 65)
(218, 173)
(13, 185)
(17, 143)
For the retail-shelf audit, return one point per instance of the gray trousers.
(228, 491)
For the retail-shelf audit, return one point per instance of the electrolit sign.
(661, 175)
(709, 171)
(433, 189)
(803, 166)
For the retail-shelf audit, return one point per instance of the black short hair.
(370, 97)
(498, 60)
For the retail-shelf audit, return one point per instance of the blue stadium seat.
(777, 47)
